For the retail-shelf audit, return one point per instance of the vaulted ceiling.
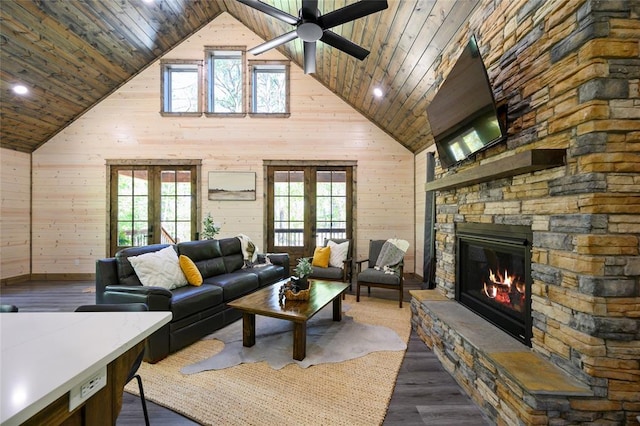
(73, 53)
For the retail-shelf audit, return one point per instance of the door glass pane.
(175, 204)
(183, 180)
(125, 234)
(132, 209)
(183, 231)
(331, 205)
(288, 214)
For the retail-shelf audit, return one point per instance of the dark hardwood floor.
(425, 393)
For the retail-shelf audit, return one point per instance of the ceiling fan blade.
(270, 10)
(284, 38)
(352, 12)
(341, 43)
(309, 57)
(309, 9)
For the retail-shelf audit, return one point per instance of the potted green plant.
(209, 229)
(302, 270)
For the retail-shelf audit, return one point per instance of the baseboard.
(47, 277)
(14, 280)
(64, 277)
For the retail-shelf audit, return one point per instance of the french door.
(306, 205)
(151, 204)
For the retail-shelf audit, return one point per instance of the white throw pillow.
(159, 269)
(338, 253)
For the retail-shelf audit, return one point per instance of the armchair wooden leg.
(358, 292)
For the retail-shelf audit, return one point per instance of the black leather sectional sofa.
(197, 310)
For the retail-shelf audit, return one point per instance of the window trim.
(287, 66)
(166, 63)
(208, 86)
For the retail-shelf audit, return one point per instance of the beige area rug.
(354, 392)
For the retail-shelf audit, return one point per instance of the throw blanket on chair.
(391, 254)
(249, 250)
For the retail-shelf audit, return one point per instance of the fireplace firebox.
(493, 275)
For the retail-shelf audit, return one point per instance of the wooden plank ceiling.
(73, 53)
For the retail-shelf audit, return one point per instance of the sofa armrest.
(106, 274)
(156, 298)
(280, 259)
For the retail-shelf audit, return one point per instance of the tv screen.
(463, 115)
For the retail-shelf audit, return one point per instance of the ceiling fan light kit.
(312, 26)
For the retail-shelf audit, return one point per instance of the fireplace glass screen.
(494, 279)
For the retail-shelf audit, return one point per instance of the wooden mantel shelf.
(524, 162)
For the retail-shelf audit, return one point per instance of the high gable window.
(181, 88)
(225, 76)
(270, 88)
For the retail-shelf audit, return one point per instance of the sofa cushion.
(267, 274)
(190, 300)
(206, 254)
(234, 284)
(231, 249)
(126, 273)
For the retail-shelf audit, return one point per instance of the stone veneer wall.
(569, 71)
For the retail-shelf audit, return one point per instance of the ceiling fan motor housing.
(309, 30)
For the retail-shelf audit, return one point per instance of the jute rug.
(354, 392)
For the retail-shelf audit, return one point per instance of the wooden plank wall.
(69, 179)
(15, 214)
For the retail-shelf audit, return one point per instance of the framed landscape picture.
(232, 186)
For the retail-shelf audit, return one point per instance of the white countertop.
(44, 355)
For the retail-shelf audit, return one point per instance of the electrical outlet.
(82, 392)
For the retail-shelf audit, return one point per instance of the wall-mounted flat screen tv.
(463, 115)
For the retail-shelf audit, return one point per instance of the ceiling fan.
(311, 26)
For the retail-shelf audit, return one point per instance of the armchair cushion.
(339, 253)
(321, 257)
(330, 273)
(371, 275)
(159, 269)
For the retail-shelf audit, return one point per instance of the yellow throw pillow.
(190, 270)
(321, 257)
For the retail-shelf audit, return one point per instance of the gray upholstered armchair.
(334, 272)
(372, 277)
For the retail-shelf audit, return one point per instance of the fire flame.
(505, 289)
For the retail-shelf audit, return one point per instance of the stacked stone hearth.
(569, 72)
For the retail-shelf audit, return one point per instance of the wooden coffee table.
(266, 302)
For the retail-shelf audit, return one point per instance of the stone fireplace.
(493, 275)
(569, 75)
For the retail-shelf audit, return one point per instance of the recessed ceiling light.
(377, 92)
(20, 89)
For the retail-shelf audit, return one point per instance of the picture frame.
(232, 186)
